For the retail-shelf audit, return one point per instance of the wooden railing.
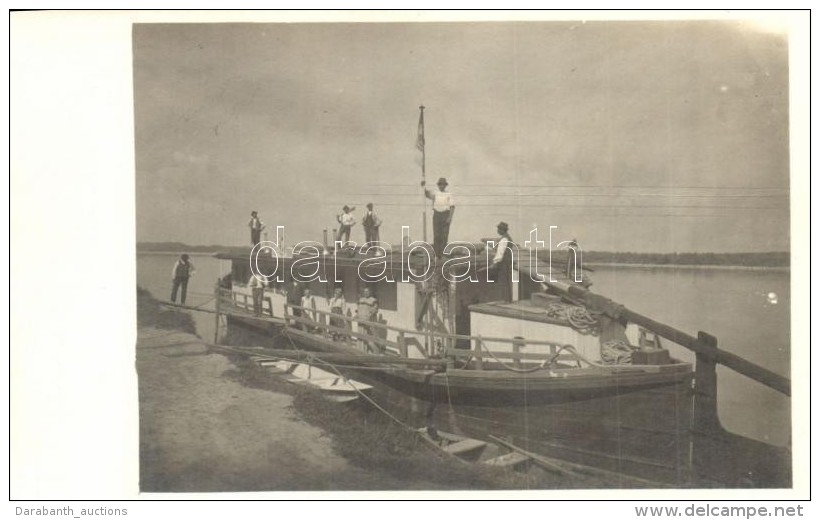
(376, 333)
(226, 295)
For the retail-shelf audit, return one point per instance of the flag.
(420, 138)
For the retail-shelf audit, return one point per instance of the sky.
(662, 136)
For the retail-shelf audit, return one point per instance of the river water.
(735, 305)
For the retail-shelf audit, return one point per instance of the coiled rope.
(616, 352)
(578, 317)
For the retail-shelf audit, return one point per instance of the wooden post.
(516, 348)
(216, 316)
(706, 415)
(402, 345)
(451, 313)
(479, 361)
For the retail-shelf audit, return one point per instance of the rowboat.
(469, 451)
(333, 387)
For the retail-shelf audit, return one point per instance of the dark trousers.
(501, 275)
(256, 235)
(371, 234)
(179, 282)
(441, 230)
(258, 292)
(344, 230)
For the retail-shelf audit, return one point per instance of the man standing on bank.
(256, 226)
(371, 223)
(443, 210)
(182, 270)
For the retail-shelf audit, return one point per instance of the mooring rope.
(578, 317)
(616, 352)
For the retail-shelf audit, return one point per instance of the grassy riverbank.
(151, 314)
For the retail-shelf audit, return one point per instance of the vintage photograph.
(463, 255)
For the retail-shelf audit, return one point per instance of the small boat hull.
(334, 387)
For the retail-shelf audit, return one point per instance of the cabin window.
(386, 293)
(240, 272)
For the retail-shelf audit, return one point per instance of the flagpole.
(421, 144)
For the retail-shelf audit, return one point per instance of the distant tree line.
(768, 259)
(179, 247)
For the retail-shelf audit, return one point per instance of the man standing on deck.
(367, 310)
(182, 270)
(256, 226)
(501, 268)
(346, 221)
(443, 210)
(258, 292)
(371, 223)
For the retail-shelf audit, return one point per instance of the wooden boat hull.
(496, 388)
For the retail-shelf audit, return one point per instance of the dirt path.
(201, 432)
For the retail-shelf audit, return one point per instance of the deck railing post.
(705, 413)
(216, 316)
(402, 345)
(323, 322)
(516, 348)
(479, 361)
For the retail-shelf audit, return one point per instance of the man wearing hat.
(371, 223)
(501, 268)
(256, 226)
(347, 221)
(183, 269)
(443, 210)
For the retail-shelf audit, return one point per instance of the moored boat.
(549, 365)
(332, 386)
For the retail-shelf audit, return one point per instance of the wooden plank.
(465, 446)
(299, 355)
(508, 460)
(736, 363)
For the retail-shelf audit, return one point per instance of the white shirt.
(255, 282)
(255, 223)
(500, 250)
(180, 264)
(442, 200)
(347, 219)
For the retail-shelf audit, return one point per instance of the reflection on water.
(736, 306)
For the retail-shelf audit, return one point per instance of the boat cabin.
(456, 298)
